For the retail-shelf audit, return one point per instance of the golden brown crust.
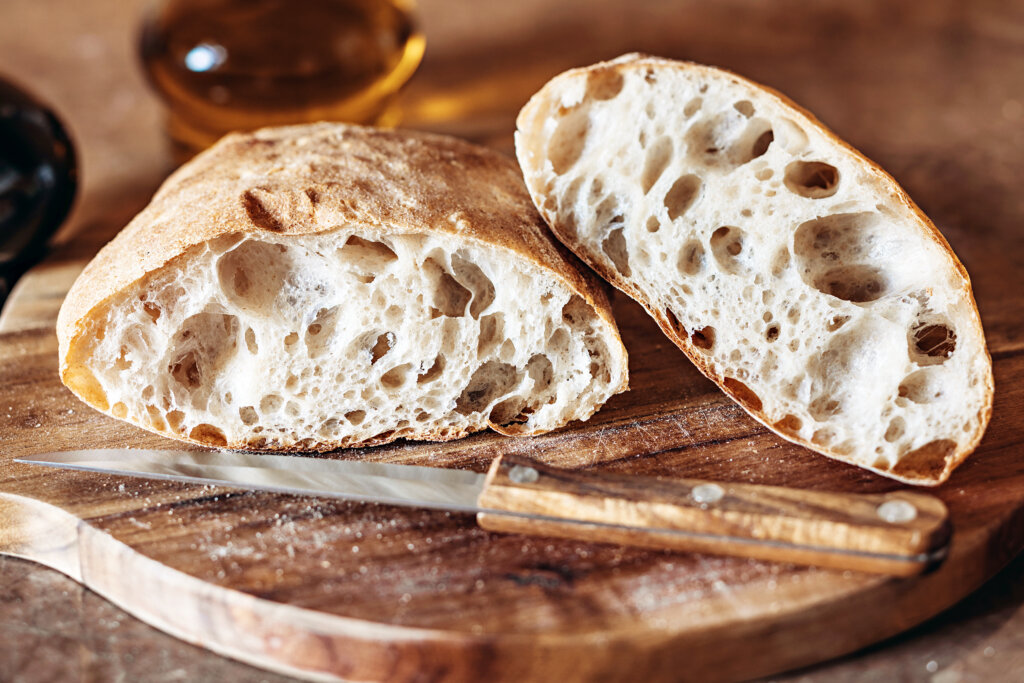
(312, 179)
(928, 474)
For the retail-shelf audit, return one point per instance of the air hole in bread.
(653, 224)
(209, 435)
(122, 363)
(508, 411)
(450, 298)
(932, 343)
(836, 322)
(321, 331)
(119, 410)
(682, 195)
(250, 341)
(291, 339)
(823, 407)
(780, 262)
(921, 386)
(704, 338)
(355, 417)
(248, 415)
(764, 174)
(604, 84)
(608, 213)
(726, 246)
(772, 333)
(658, 157)
(253, 274)
(175, 418)
(897, 427)
(575, 311)
(492, 328)
(856, 283)
(366, 258)
(674, 323)
(813, 179)
(823, 436)
(433, 372)
(507, 350)
(541, 371)
(926, 462)
(761, 144)
(567, 205)
(693, 106)
(156, 418)
(291, 409)
(472, 277)
(396, 376)
(567, 142)
(204, 342)
(490, 381)
(614, 246)
(838, 255)
(742, 393)
(152, 310)
(381, 346)
(744, 107)
(271, 403)
(789, 425)
(558, 342)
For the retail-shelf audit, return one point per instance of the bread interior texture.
(792, 271)
(344, 337)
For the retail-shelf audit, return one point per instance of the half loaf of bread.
(792, 270)
(325, 286)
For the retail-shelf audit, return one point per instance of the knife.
(901, 533)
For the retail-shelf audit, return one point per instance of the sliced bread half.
(793, 271)
(324, 286)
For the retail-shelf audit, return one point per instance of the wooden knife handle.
(900, 533)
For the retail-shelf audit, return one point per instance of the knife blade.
(901, 533)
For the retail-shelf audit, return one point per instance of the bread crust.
(545, 99)
(312, 179)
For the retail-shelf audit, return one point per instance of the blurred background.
(933, 91)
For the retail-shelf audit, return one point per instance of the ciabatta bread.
(324, 286)
(792, 270)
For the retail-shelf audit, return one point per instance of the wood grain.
(930, 90)
(825, 529)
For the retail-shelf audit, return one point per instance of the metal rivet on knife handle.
(523, 475)
(897, 511)
(707, 493)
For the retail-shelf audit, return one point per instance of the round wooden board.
(368, 592)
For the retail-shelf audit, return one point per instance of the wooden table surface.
(933, 91)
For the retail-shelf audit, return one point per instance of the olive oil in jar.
(224, 65)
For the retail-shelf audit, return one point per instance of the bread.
(792, 270)
(325, 286)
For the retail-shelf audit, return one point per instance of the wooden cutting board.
(324, 588)
(366, 592)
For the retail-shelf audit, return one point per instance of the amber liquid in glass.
(224, 65)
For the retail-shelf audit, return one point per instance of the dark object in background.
(38, 180)
(224, 65)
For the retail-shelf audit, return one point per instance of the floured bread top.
(793, 271)
(323, 286)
